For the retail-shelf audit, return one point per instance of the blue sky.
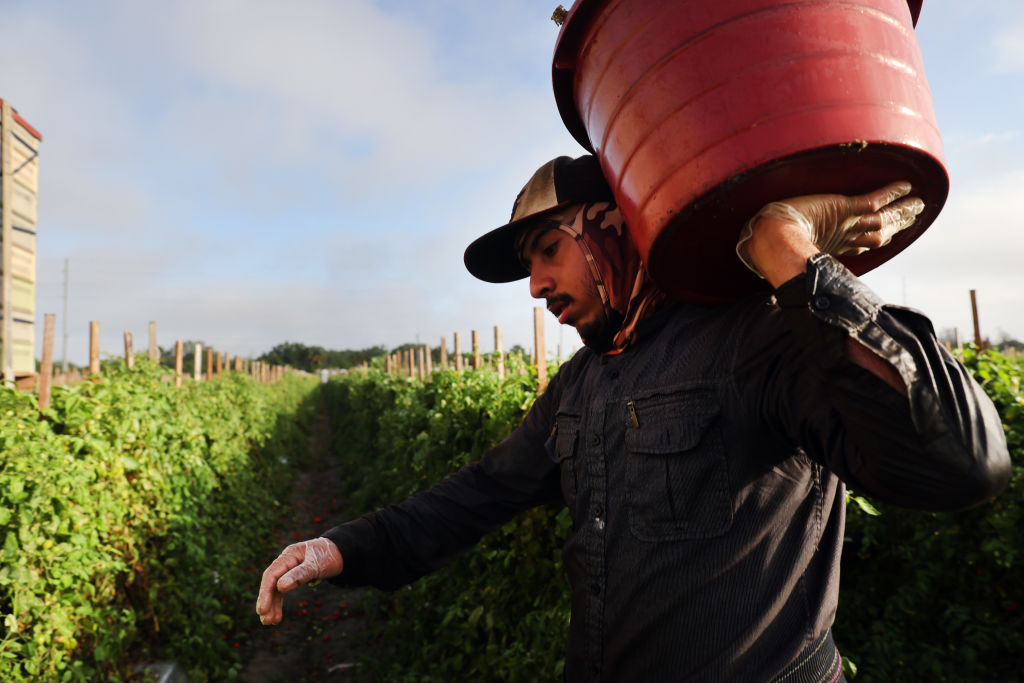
(248, 173)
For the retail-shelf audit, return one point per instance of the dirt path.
(322, 625)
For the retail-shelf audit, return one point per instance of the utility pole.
(64, 355)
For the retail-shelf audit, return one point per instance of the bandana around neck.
(627, 292)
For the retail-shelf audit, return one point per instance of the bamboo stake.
(974, 313)
(540, 356)
(46, 366)
(420, 372)
(458, 352)
(94, 347)
(444, 354)
(429, 362)
(179, 353)
(129, 353)
(197, 363)
(154, 352)
(499, 352)
(475, 337)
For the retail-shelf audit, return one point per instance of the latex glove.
(837, 224)
(298, 564)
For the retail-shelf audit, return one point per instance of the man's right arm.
(397, 544)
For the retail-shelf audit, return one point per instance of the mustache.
(558, 299)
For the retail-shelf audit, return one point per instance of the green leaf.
(866, 506)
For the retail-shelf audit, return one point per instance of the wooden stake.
(94, 347)
(179, 357)
(129, 353)
(458, 352)
(421, 365)
(977, 328)
(387, 364)
(46, 366)
(429, 362)
(197, 363)
(220, 364)
(444, 354)
(475, 336)
(499, 352)
(154, 352)
(540, 355)
(209, 363)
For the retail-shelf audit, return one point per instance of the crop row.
(133, 517)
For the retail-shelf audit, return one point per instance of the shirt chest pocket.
(677, 481)
(562, 447)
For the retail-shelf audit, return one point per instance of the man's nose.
(541, 283)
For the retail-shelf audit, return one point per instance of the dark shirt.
(704, 468)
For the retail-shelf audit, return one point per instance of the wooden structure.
(19, 182)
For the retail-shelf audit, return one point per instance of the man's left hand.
(779, 239)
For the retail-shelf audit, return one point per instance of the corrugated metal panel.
(24, 331)
(23, 262)
(24, 357)
(23, 296)
(28, 138)
(25, 173)
(23, 204)
(25, 240)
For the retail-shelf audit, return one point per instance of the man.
(702, 450)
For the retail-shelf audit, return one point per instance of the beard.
(598, 334)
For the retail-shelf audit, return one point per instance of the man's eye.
(550, 250)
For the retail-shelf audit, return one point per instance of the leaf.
(866, 506)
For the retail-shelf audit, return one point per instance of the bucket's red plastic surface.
(703, 111)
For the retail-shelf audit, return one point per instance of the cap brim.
(493, 257)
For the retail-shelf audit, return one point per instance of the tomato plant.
(937, 596)
(132, 518)
(501, 611)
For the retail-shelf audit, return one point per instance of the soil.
(323, 626)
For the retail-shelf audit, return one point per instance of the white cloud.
(976, 243)
(1008, 48)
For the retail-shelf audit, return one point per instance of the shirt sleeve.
(397, 544)
(941, 447)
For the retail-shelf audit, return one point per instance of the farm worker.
(703, 451)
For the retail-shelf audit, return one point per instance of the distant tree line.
(311, 358)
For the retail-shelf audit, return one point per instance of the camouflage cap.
(558, 183)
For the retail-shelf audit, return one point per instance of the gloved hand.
(299, 563)
(837, 224)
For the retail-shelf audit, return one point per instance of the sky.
(248, 172)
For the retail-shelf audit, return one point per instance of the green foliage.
(929, 597)
(188, 356)
(311, 358)
(499, 613)
(133, 516)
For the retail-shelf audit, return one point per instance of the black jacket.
(704, 468)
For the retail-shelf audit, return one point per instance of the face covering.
(627, 292)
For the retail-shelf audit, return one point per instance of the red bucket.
(702, 111)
